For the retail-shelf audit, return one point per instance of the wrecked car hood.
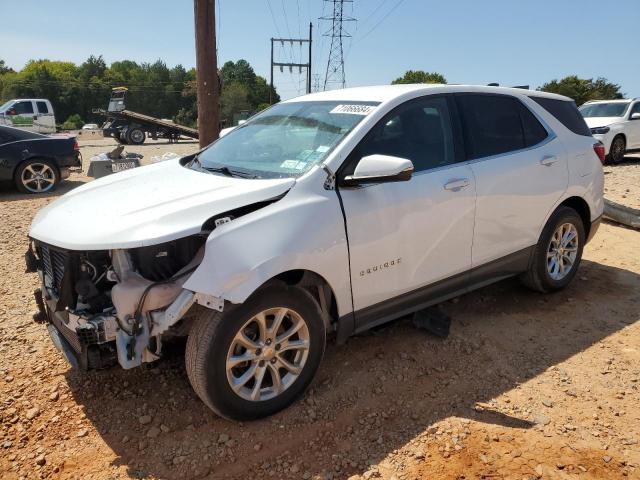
(146, 206)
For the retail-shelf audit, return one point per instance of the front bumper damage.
(134, 317)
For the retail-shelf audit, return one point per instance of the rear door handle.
(548, 160)
(457, 185)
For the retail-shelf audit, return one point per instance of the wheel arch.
(317, 286)
(581, 206)
(619, 134)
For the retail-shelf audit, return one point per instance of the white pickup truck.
(35, 114)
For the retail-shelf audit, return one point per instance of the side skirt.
(438, 292)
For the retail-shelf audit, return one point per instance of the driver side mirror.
(635, 116)
(379, 169)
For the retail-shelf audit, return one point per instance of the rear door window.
(566, 112)
(23, 108)
(42, 107)
(492, 124)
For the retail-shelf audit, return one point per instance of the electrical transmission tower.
(335, 64)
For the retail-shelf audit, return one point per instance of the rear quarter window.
(566, 112)
(534, 132)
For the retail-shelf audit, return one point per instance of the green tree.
(73, 122)
(233, 100)
(583, 89)
(419, 76)
(3, 68)
(154, 88)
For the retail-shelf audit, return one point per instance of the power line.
(382, 20)
(273, 17)
(375, 10)
(286, 23)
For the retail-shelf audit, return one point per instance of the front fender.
(303, 231)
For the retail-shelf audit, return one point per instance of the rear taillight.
(76, 146)
(599, 149)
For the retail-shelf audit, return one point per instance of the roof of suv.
(385, 93)
(617, 100)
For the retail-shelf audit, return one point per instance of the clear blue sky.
(469, 41)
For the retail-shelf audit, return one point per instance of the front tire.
(558, 253)
(617, 150)
(36, 176)
(256, 358)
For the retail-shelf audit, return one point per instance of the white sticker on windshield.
(291, 164)
(323, 149)
(353, 109)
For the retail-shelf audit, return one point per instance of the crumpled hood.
(146, 206)
(594, 122)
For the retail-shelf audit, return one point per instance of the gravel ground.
(526, 386)
(622, 181)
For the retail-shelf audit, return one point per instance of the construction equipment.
(132, 128)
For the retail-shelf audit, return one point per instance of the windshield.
(284, 141)
(613, 109)
(6, 105)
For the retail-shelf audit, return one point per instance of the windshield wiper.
(230, 173)
(223, 169)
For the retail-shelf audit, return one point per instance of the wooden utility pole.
(206, 71)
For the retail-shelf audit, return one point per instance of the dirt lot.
(622, 181)
(526, 386)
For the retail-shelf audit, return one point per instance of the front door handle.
(457, 185)
(548, 160)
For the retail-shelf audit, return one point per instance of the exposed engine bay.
(108, 307)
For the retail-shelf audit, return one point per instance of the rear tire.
(136, 136)
(279, 365)
(617, 150)
(36, 176)
(557, 255)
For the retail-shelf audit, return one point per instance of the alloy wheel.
(38, 178)
(267, 354)
(562, 251)
(618, 150)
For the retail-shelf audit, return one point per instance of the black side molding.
(435, 293)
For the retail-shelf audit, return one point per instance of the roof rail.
(523, 87)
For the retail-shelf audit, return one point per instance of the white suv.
(616, 123)
(332, 212)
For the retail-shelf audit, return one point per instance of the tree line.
(579, 89)
(163, 92)
(154, 89)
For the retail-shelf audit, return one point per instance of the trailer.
(128, 127)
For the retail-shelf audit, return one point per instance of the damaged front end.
(107, 307)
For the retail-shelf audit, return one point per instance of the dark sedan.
(36, 163)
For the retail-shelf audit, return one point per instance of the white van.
(35, 114)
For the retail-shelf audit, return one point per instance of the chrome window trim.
(551, 135)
